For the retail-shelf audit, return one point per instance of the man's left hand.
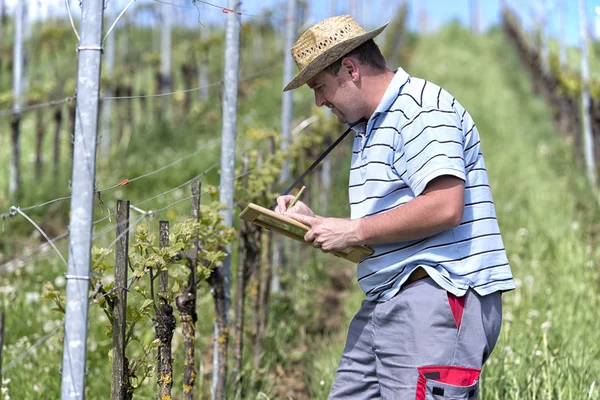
(329, 234)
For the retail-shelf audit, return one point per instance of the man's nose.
(319, 99)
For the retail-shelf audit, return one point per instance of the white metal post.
(26, 49)
(597, 22)
(287, 114)
(228, 136)
(82, 200)
(165, 50)
(15, 178)
(475, 17)
(588, 139)
(562, 13)
(545, 51)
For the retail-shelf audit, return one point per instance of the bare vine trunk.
(164, 325)
(130, 110)
(217, 283)
(189, 73)
(72, 114)
(248, 262)
(238, 335)
(39, 137)
(186, 305)
(263, 295)
(119, 92)
(15, 171)
(57, 128)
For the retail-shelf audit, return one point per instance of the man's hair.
(367, 54)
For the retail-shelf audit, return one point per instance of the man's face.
(339, 93)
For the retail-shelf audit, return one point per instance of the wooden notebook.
(295, 230)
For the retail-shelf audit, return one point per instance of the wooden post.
(164, 325)
(119, 374)
(163, 241)
(186, 305)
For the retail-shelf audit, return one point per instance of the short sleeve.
(431, 145)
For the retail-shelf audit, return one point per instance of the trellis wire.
(127, 181)
(116, 20)
(7, 112)
(71, 19)
(17, 210)
(10, 111)
(38, 343)
(65, 234)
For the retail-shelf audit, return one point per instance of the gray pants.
(387, 343)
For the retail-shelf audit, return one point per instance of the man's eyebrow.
(311, 84)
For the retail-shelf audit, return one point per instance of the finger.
(293, 210)
(310, 236)
(305, 219)
(281, 204)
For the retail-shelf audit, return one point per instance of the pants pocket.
(447, 383)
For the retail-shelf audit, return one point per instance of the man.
(420, 197)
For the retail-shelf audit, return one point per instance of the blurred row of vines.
(561, 87)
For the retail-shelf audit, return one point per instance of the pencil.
(297, 197)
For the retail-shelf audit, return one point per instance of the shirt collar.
(390, 95)
(392, 91)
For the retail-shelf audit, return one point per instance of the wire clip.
(97, 48)
(77, 277)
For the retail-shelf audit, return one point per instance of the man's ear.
(351, 69)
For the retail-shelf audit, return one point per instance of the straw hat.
(324, 43)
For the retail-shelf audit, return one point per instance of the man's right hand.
(299, 207)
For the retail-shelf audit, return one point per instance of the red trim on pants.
(457, 376)
(457, 305)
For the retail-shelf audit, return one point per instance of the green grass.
(548, 217)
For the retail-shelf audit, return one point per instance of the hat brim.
(329, 56)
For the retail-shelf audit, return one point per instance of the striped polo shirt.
(417, 133)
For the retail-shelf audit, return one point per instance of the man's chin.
(341, 119)
(341, 116)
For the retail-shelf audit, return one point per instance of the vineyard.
(164, 320)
